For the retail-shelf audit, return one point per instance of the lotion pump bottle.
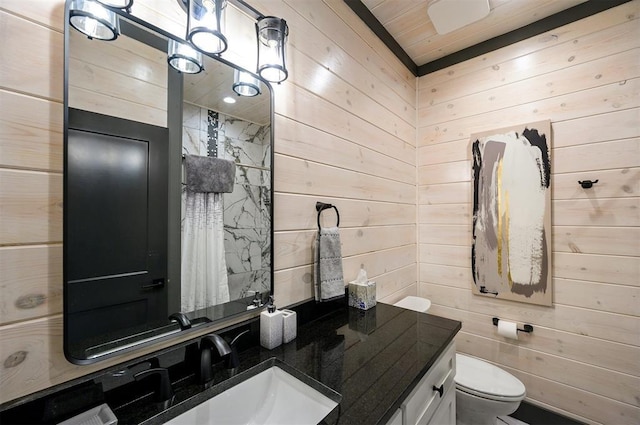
(271, 326)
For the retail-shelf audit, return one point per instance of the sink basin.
(268, 395)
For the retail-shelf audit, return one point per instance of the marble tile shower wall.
(246, 209)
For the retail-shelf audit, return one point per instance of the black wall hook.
(321, 206)
(527, 328)
(587, 184)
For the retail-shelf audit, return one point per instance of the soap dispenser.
(271, 326)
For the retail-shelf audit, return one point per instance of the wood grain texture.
(306, 177)
(30, 207)
(30, 132)
(49, 13)
(345, 134)
(323, 115)
(38, 46)
(304, 142)
(31, 282)
(585, 81)
(125, 78)
(549, 61)
(588, 27)
(607, 354)
(608, 326)
(296, 248)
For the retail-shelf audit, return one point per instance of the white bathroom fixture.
(411, 302)
(449, 15)
(484, 392)
(272, 396)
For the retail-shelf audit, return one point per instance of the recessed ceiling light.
(229, 99)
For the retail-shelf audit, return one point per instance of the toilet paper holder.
(527, 328)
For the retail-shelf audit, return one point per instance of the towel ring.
(321, 206)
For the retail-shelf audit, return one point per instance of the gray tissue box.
(362, 296)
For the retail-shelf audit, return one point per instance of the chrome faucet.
(207, 345)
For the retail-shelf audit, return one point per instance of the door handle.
(156, 283)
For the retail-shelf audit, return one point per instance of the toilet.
(484, 392)
(414, 303)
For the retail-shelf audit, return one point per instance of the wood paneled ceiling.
(407, 23)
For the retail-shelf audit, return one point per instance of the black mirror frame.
(174, 167)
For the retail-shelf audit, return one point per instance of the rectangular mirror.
(142, 241)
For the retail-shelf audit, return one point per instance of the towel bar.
(321, 206)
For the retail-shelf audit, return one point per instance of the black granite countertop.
(372, 358)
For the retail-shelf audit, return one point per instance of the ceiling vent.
(449, 15)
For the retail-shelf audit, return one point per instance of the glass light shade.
(184, 58)
(205, 25)
(120, 4)
(94, 20)
(272, 35)
(245, 84)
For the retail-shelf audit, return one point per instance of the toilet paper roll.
(508, 329)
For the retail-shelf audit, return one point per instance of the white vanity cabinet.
(433, 400)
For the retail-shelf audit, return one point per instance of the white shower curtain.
(204, 269)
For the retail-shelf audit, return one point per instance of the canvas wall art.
(511, 247)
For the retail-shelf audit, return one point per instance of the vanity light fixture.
(93, 20)
(245, 84)
(184, 58)
(272, 35)
(205, 22)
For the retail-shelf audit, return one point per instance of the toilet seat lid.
(486, 380)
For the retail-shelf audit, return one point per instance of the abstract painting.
(511, 247)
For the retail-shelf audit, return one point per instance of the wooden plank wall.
(106, 78)
(583, 358)
(345, 134)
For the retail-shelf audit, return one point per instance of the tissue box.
(362, 296)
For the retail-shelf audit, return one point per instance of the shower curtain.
(204, 269)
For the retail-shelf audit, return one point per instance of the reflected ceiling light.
(272, 35)
(245, 84)
(184, 58)
(120, 4)
(205, 21)
(93, 19)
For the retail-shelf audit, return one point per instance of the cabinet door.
(423, 401)
(445, 414)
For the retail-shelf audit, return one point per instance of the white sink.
(272, 396)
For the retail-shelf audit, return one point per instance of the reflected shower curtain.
(204, 269)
